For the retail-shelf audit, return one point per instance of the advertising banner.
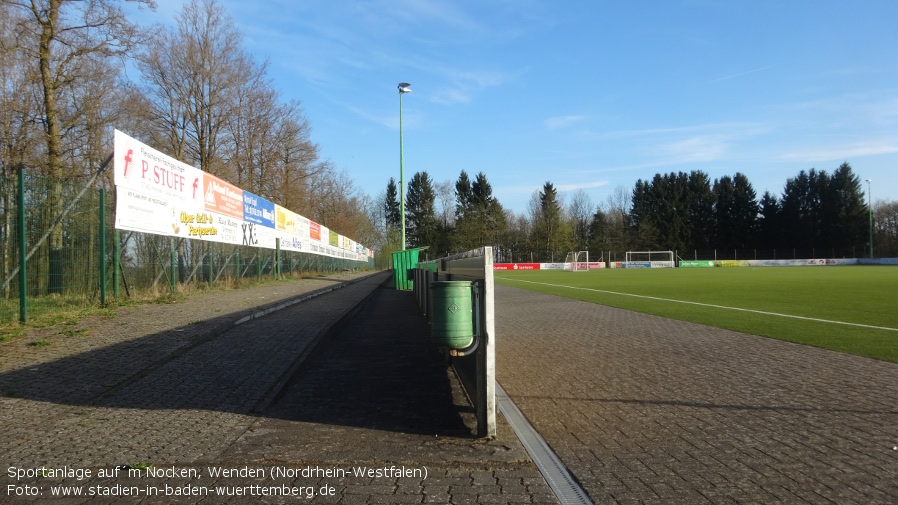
(696, 264)
(160, 195)
(516, 266)
(222, 197)
(154, 174)
(258, 210)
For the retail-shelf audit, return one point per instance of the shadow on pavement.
(380, 371)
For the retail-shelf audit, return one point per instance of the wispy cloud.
(574, 186)
(843, 152)
(698, 148)
(445, 13)
(741, 74)
(464, 84)
(558, 122)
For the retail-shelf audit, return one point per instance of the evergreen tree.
(420, 214)
(736, 211)
(391, 206)
(745, 212)
(844, 210)
(550, 235)
(770, 222)
(462, 195)
(801, 208)
(701, 211)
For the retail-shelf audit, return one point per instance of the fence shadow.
(379, 371)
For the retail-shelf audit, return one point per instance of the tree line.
(817, 211)
(192, 92)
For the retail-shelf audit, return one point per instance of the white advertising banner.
(158, 194)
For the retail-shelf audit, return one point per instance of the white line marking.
(859, 325)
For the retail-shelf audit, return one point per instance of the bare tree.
(446, 198)
(192, 76)
(579, 213)
(60, 36)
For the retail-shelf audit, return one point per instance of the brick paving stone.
(646, 409)
(180, 387)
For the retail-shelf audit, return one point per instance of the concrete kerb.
(317, 343)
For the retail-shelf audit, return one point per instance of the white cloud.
(464, 84)
(558, 122)
(581, 185)
(843, 152)
(696, 149)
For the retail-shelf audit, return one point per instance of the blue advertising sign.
(258, 210)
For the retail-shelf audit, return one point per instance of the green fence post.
(117, 264)
(174, 266)
(102, 246)
(277, 259)
(237, 259)
(23, 243)
(211, 270)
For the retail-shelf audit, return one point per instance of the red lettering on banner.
(516, 266)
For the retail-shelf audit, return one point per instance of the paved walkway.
(177, 404)
(173, 407)
(644, 409)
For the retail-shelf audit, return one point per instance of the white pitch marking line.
(859, 325)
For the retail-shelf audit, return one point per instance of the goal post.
(577, 261)
(650, 259)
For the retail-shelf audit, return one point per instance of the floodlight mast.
(403, 89)
(870, 212)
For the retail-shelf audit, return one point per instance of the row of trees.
(675, 211)
(197, 95)
(688, 211)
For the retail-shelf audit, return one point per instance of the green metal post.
(239, 273)
(401, 173)
(23, 277)
(211, 269)
(174, 266)
(277, 259)
(117, 264)
(102, 246)
(870, 211)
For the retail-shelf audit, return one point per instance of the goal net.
(577, 261)
(650, 259)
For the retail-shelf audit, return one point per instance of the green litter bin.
(452, 320)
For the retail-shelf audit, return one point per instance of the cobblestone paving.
(644, 409)
(163, 400)
(379, 394)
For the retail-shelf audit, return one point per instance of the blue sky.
(587, 94)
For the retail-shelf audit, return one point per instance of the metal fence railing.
(74, 257)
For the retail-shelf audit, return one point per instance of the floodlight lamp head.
(868, 180)
(404, 88)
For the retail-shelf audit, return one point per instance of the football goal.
(577, 261)
(651, 259)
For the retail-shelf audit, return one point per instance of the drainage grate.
(566, 489)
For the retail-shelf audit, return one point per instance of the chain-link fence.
(75, 258)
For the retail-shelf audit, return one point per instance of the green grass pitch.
(852, 309)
